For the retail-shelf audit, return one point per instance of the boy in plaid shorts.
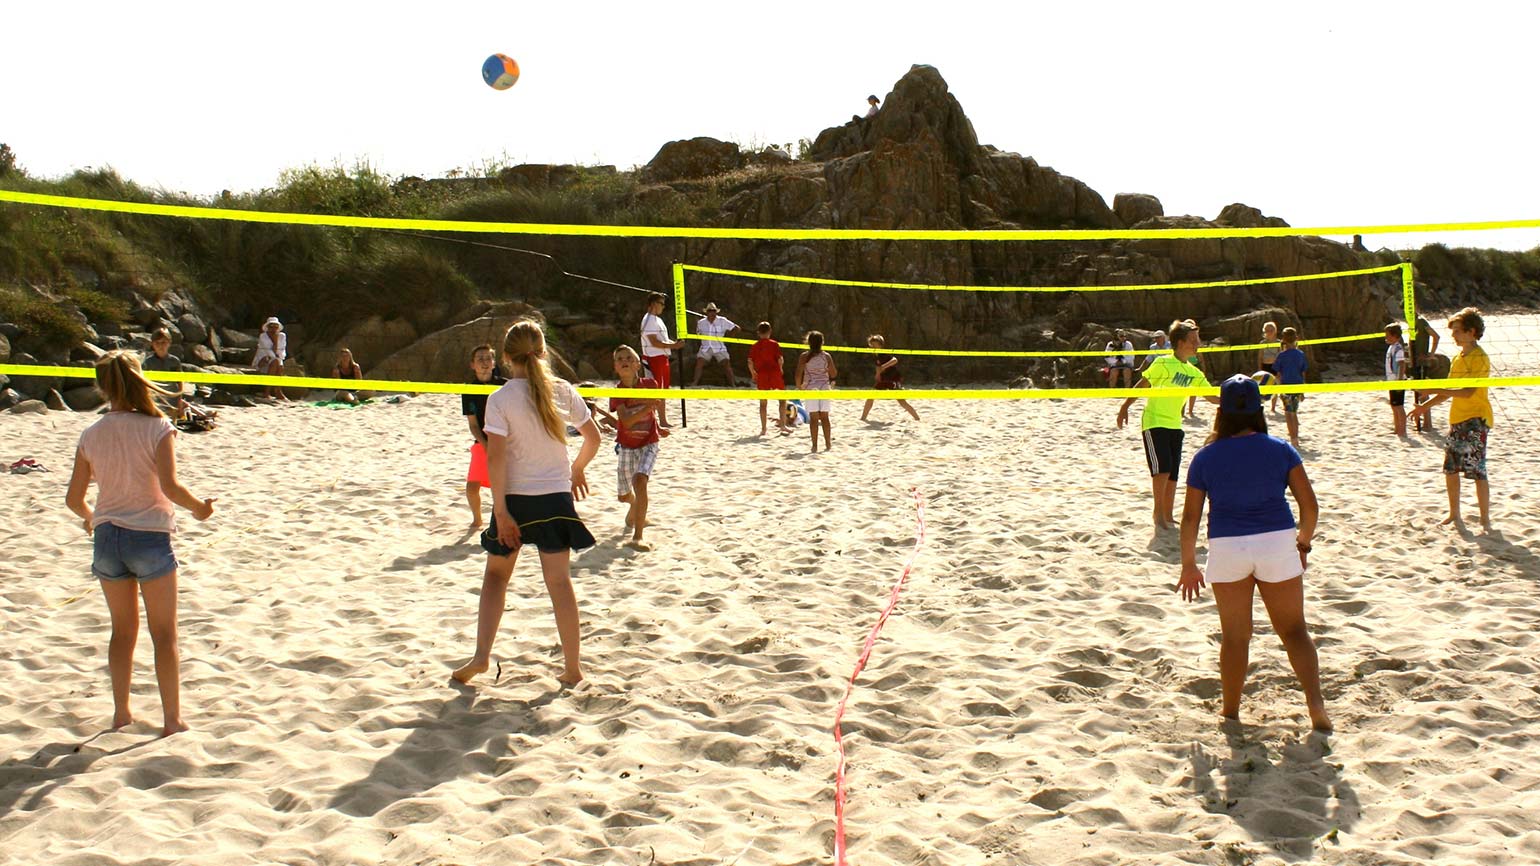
(1289, 365)
(1470, 417)
(636, 448)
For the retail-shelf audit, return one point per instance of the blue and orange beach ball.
(500, 72)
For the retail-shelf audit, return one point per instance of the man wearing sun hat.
(714, 351)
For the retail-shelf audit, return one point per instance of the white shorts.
(818, 406)
(712, 353)
(1270, 557)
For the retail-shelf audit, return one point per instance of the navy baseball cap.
(1239, 395)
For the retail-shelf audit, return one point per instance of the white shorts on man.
(713, 325)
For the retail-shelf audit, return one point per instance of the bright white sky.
(1323, 113)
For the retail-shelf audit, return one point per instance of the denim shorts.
(131, 554)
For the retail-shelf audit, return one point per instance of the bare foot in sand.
(175, 727)
(122, 720)
(471, 669)
(1319, 721)
(570, 680)
(638, 544)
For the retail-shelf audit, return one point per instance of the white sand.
(1041, 695)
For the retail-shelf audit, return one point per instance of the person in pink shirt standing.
(131, 455)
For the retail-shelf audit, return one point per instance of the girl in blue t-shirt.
(1252, 541)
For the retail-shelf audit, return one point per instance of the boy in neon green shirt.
(1161, 424)
(1470, 417)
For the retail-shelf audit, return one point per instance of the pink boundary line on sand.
(866, 652)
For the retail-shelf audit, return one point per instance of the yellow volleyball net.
(692, 282)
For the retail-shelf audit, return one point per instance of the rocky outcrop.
(370, 341)
(444, 356)
(694, 158)
(1133, 208)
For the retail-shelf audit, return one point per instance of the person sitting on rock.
(185, 415)
(160, 360)
(347, 369)
(871, 110)
(1120, 362)
(272, 350)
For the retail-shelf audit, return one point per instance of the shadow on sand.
(26, 782)
(466, 734)
(1291, 802)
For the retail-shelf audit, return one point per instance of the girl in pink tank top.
(130, 454)
(816, 372)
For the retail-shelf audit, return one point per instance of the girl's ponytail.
(814, 342)
(121, 380)
(525, 344)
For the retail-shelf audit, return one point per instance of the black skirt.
(548, 521)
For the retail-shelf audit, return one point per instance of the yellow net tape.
(395, 386)
(198, 212)
(824, 281)
(1049, 353)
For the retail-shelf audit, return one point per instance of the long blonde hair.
(121, 380)
(524, 344)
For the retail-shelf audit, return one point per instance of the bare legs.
(865, 410)
(1291, 419)
(1483, 501)
(764, 421)
(275, 368)
(636, 515)
(556, 568)
(700, 364)
(160, 613)
(473, 498)
(816, 420)
(1163, 492)
(1285, 602)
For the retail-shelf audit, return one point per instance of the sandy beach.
(1041, 695)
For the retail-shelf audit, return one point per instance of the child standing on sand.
(636, 438)
(1395, 371)
(1290, 365)
(534, 486)
(1161, 423)
(131, 454)
(474, 408)
(1470, 417)
(1269, 352)
(816, 372)
(766, 369)
(888, 376)
(1253, 544)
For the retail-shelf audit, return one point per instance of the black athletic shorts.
(1398, 398)
(1163, 451)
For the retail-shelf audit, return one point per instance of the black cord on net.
(547, 256)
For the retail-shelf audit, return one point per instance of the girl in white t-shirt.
(130, 454)
(534, 486)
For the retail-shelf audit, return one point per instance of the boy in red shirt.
(766, 368)
(636, 442)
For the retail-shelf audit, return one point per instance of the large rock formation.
(917, 164)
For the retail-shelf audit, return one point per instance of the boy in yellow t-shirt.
(1470, 417)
